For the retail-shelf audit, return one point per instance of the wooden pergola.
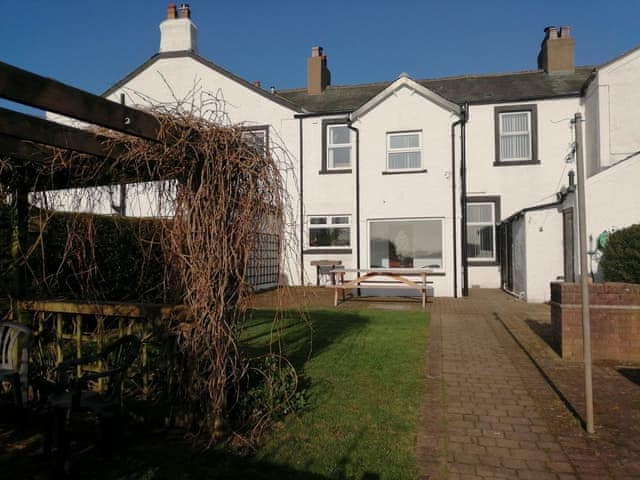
(26, 141)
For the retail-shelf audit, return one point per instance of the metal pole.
(584, 275)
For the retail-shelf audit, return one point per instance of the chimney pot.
(172, 12)
(185, 11)
(272, 89)
(564, 31)
(316, 51)
(256, 83)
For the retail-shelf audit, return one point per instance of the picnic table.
(397, 278)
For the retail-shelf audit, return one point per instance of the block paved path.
(489, 411)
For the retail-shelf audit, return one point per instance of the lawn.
(363, 372)
(366, 375)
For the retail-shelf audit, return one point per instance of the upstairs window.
(329, 231)
(516, 135)
(404, 151)
(339, 147)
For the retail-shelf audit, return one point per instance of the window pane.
(514, 122)
(406, 244)
(480, 241)
(340, 220)
(339, 157)
(255, 137)
(339, 135)
(515, 147)
(330, 237)
(480, 213)
(399, 160)
(318, 221)
(405, 140)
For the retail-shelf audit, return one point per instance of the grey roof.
(495, 88)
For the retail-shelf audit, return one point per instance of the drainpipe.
(357, 175)
(463, 197)
(453, 204)
(301, 206)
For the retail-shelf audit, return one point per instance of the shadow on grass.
(544, 330)
(301, 336)
(165, 455)
(146, 456)
(631, 374)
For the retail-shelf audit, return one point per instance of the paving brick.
(504, 417)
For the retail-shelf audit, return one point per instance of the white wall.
(617, 96)
(521, 186)
(544, 252)
(408, 195)
(613, 201)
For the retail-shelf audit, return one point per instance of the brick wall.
(615, 320)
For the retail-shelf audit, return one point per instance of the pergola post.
(19, 236)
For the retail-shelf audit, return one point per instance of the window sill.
(481, 263)
(400, 172)
(329, 172)
(326, 251)
(516, 163)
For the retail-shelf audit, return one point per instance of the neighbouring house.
(470, 176)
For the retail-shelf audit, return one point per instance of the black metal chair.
(15, 342)
(73, 395)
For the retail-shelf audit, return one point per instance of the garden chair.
(73, 395)
(15, 343)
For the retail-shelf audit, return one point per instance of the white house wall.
(544, 252)
(518, 186)
(613, 201)
(618, 112)
(408, 195)
(325, 194)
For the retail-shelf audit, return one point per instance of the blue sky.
(92, 44)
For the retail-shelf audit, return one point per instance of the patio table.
(400, 278)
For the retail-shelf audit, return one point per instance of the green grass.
(366, 374)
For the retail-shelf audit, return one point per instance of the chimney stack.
(318, 75)
(177, 32)
(556, 51)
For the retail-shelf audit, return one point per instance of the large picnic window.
(406, 243)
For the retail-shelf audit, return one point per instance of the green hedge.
(621, 256)
(123, 262)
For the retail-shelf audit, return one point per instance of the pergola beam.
(39, 130)
(36, 91)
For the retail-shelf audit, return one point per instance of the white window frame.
(331, 146)
(329, 224)
(410, 219)
(529, 132)
(493, 230)
(248, 133)
(401, 150)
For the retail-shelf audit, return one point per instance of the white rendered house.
(423, 173)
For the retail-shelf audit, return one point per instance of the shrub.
(621, 256)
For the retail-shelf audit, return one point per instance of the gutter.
(543, 206)
(322, 114)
